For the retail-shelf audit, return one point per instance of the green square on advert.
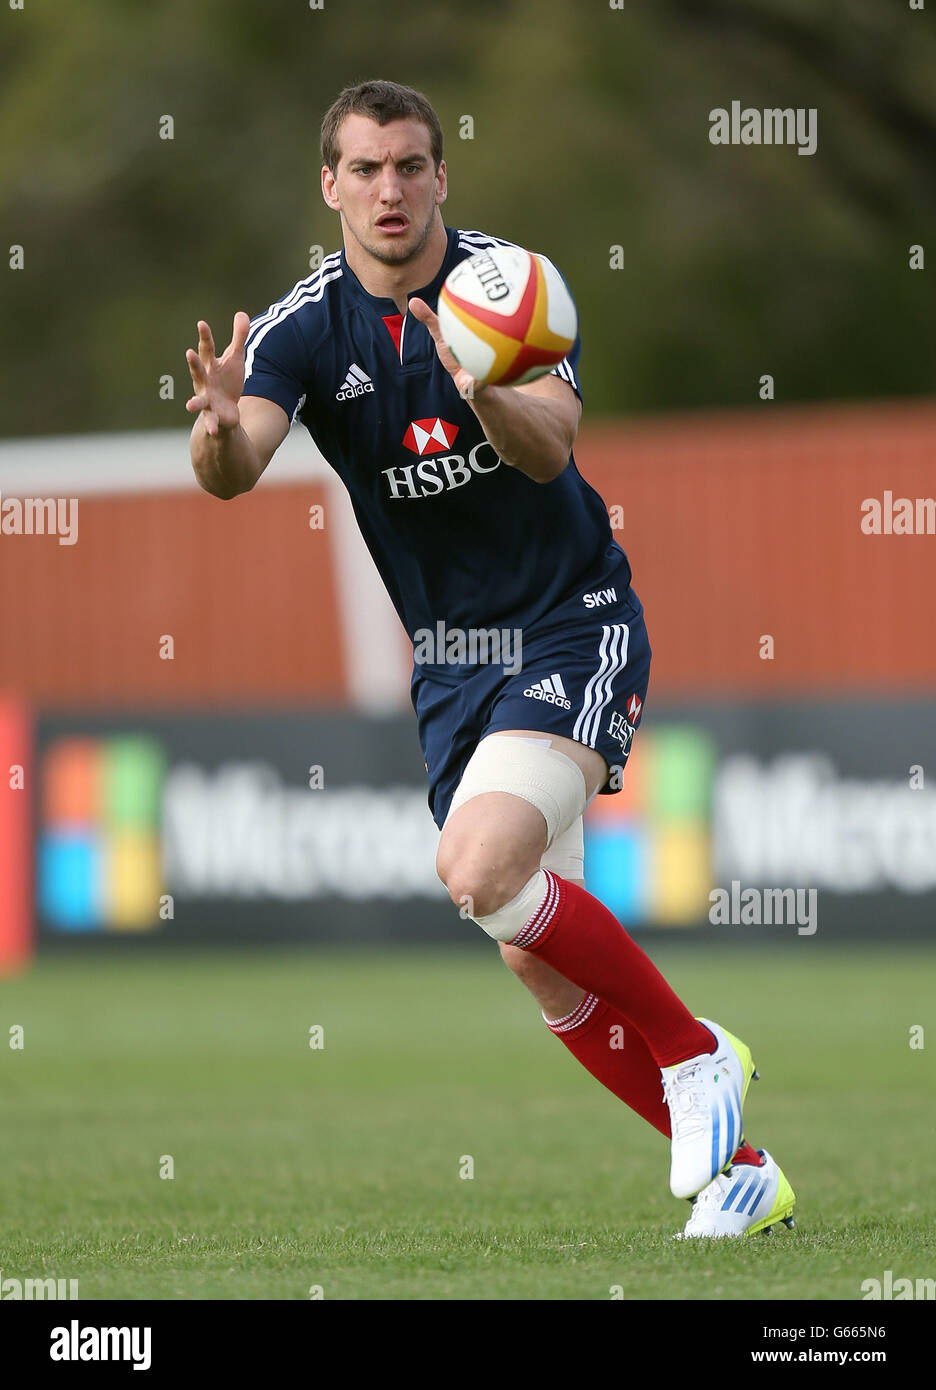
(683, 765)
(134, 768)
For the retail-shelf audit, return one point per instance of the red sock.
(748, 1155)
(620, 1060)
(616, 1055)
(577, 935)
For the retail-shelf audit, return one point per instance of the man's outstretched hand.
(468, 388)
(218, 381)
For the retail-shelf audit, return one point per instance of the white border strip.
(81, 465)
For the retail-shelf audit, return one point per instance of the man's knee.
(514, 798)
(475, 890)
(490, 847)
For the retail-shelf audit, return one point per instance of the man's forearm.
(225, 464)
(531, 433)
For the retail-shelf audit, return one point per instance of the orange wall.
(749, 523)
(737, 525)
(245, 589)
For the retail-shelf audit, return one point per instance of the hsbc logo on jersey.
(430, 436)
(443, 471)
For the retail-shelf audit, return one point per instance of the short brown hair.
(381, 102)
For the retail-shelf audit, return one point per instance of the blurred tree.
(590, 131)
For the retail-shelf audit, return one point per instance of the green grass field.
(339, 1167)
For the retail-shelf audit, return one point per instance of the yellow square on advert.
(132, 880)
(681, 874)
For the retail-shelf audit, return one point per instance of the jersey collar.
(428, 292)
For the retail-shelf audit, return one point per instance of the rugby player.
(474, 511)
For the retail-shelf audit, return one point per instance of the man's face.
(386, 186)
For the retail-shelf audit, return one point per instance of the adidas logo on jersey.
(356, 383)
(551, 690)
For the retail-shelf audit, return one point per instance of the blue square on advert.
(69, 888)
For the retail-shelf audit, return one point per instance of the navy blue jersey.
(458, 536)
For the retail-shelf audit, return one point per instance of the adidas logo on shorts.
(551, 690)
(356, 383)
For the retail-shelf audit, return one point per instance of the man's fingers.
(241, 329)
(196, 368)
(206, 346)
(420, 310)
(468, 388)
(239, 334)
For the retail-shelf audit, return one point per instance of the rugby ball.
(507, 316)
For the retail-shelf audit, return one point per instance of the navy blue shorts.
(584, 675)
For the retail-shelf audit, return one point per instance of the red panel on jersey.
(394, 324)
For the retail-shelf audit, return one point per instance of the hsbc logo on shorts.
(443, 471)
(622, 730)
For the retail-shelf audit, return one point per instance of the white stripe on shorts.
(613, 658)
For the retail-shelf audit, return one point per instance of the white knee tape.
(508, 921)
(548, 779)
(565, 857)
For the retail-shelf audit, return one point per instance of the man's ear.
(329, 191)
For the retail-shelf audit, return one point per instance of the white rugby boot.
(740, 1201)
(705, 1095)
